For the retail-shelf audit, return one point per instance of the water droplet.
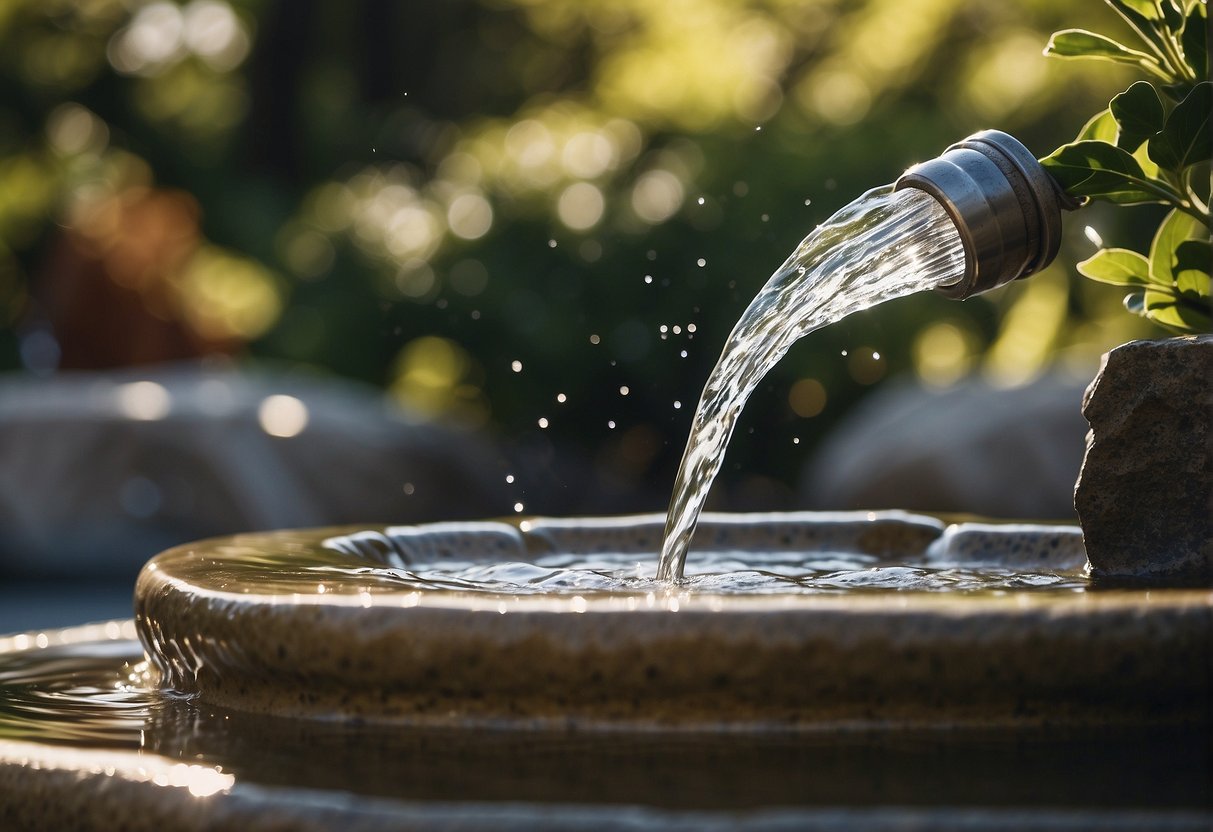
(624, 390)
(509, 478)
(551, 244)
(758, 129)
(795, 440)
(683, 353)
(844, 352)
(594, 339)
(690, 327)
(663, 328)
(677, 330)
(518, 507)
(808, 202)
(409, 488)
(701, 262)
(543, 422)
(562, 398)
(516, 365)
(1093, 236)
(766, 217)
(875, 355)
(700, 200)
(648, 278)
(677, 405)
(611, 424)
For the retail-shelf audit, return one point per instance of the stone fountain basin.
(365, 705)
(305, 624)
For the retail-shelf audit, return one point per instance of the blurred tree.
(539, 216)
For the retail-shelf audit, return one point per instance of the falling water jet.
(978, 216)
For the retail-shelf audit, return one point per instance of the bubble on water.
(516, 365)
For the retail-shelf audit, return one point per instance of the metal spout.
(1006, 207)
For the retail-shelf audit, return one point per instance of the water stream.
(883, 245)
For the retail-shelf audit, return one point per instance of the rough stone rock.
(1143, 495)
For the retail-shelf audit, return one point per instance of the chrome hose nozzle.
(1005, 205)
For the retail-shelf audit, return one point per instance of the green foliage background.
(1150, 145)
(381, 186)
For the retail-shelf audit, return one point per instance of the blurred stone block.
(99, 471)
(971, 449)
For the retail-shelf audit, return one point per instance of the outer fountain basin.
(318, 624)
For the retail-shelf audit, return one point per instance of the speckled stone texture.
(259, 636)
(1143, 495)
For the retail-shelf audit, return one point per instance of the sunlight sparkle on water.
(883, 245)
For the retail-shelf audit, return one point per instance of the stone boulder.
(973, 449)
(1143, 495)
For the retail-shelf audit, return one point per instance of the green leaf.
(1117, 266)
(1185, 139)
(1137, 10)
(1158, 297)
(1099, 169)
(1180, 317)
(1175, 229)
(1079, 43)
(1138, 113)
(1148, 19)
(1101, 128)
(1192, 261)
(1194, 41)
(1172, 15)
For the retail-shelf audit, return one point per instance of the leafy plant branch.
(1151, 145)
